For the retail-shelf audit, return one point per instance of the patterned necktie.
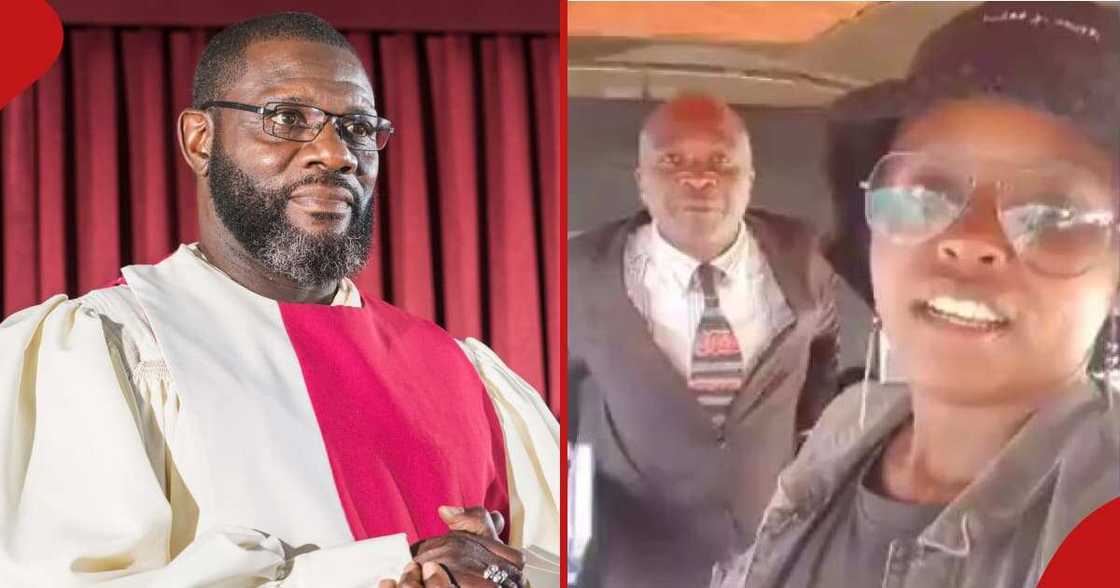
(717, 361)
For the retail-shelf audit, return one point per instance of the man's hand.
(475, 520)
(461, 557)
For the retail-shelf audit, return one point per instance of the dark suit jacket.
(672, 497)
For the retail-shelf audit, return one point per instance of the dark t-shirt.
(850, 544)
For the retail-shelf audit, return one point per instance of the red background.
(469, 220)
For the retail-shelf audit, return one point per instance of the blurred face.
(695, 171)
(303, 209)
(993, 255)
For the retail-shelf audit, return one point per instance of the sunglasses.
(1059, 218)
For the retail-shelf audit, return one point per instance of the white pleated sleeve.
(532, 439)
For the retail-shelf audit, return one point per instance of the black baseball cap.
(1058, 57)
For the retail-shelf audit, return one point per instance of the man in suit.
(702, 341)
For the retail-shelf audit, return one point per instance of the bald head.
(695, 173)
(691, 115)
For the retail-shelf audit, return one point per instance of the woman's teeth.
(969, 313)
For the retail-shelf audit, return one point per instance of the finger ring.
(495, 574)
(500, 577)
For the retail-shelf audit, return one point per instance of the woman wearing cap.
(994, 266)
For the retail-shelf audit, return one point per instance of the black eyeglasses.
(302, 123)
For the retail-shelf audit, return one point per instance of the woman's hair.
(853, 147)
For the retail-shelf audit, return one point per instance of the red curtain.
(468, 223)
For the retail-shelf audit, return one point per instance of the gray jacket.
(999, 533)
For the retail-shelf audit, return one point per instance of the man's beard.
(257, 218)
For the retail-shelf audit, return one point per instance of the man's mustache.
(333, 179)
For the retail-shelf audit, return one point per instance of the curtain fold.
(548, 98)
(456, 133)
(467, 225)
(516, 330)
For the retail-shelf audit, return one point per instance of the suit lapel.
(640, 377)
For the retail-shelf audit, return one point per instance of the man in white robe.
(238, 414)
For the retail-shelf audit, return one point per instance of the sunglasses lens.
(909, 200)
(908, 214)
(1058, 240)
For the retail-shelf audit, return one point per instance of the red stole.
(406, 421)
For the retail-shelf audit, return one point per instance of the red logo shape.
(1087, 556)
(30, 41)
(713, 343)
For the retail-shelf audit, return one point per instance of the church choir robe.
(178, 429)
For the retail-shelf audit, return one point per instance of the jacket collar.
(1021, 474)
(607, 266)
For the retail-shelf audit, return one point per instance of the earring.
(865, 386)
(1112, 355)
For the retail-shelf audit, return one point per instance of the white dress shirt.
(660, 282)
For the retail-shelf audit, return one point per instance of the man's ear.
(196, 135)
(638, 180)
(640, 183)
